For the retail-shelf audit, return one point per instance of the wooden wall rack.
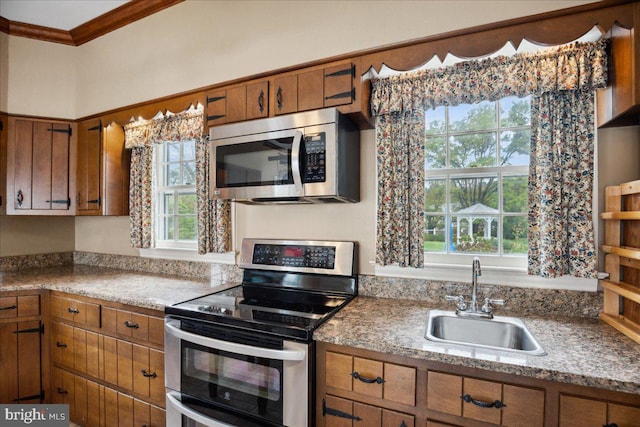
(622, 260)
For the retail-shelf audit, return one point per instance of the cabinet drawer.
(130, 324)
(371, 377)
(82, 312)
(578, 411)
(486, 401)
(20, 306)
(337, 412)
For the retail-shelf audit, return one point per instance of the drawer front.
(578, 411)
(81, 312)
(370, 377)
(485, 401)
(20, 306)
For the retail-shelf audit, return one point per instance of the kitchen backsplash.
(542, 302)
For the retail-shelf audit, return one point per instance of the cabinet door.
(216, 108)
(579, 412)
(88, 168)
(623, 415)
(59, 194)
(22, 163)
(29, 385)
(116, 164)
(236, 104)
(338, 85)
(8, 362)
(286, 94)
(311, 90)
(257, 100)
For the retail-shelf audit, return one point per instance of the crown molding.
(97, 27)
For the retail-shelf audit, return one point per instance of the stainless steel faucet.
(472, 310)
(475, 272)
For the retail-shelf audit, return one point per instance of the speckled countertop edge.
(579, 351)
(145, 290)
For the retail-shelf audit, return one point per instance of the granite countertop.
(146, 290)
(580, 351)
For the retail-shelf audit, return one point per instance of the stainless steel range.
(245, 356)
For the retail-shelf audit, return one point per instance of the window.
(476, 173)
(175, 195)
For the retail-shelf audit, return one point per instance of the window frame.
(159, 174)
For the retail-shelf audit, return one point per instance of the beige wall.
(36, 235)
(198, 43)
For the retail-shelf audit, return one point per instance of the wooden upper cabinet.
(40, 156)
(310, 90)
(88, 170)
(116, 162)
(619, 103)
(238, 103)
(102, 173)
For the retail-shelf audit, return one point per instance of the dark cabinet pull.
(148, 375)
(261, 101)
(61, 344)
(337, 413)
(610, 425)
(94, 201)
(20, 197)
(377, 380)
(73, 310)
(11, 307)
(215, 117)
(279, 98)
(495, 404)
(131, 325)
(62, 391)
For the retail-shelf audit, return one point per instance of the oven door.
(258, 166)
(234, 377)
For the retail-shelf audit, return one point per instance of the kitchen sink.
(500, 333)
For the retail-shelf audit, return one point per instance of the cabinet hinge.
(215, 98)
(1, 126)
(336, 413)
(96, 127)
(39, 329)
(350, 94)
(62, 201)
(35, 396)
(215, 117)
(347, 71)
(67, 131)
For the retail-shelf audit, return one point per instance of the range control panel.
(322, 257)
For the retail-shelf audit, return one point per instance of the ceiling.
(58, 14)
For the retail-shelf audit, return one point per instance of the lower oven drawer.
(219, 376)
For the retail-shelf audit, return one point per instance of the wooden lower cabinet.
(401, 392)
(108, 371)
(94, 405)
(20, 349)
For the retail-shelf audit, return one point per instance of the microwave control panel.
(314, 158)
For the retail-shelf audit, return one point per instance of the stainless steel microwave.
(309, 157)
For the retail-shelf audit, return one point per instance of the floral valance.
(578, 66)
(188, 124)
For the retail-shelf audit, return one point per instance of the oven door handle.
(174, 402)
(233, 347)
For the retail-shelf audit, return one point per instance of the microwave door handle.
(295, 161)
(233, 347)
(174, 402)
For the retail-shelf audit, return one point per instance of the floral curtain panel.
(141, 136)
(214, 216)
(400, 163)
(579, 68)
